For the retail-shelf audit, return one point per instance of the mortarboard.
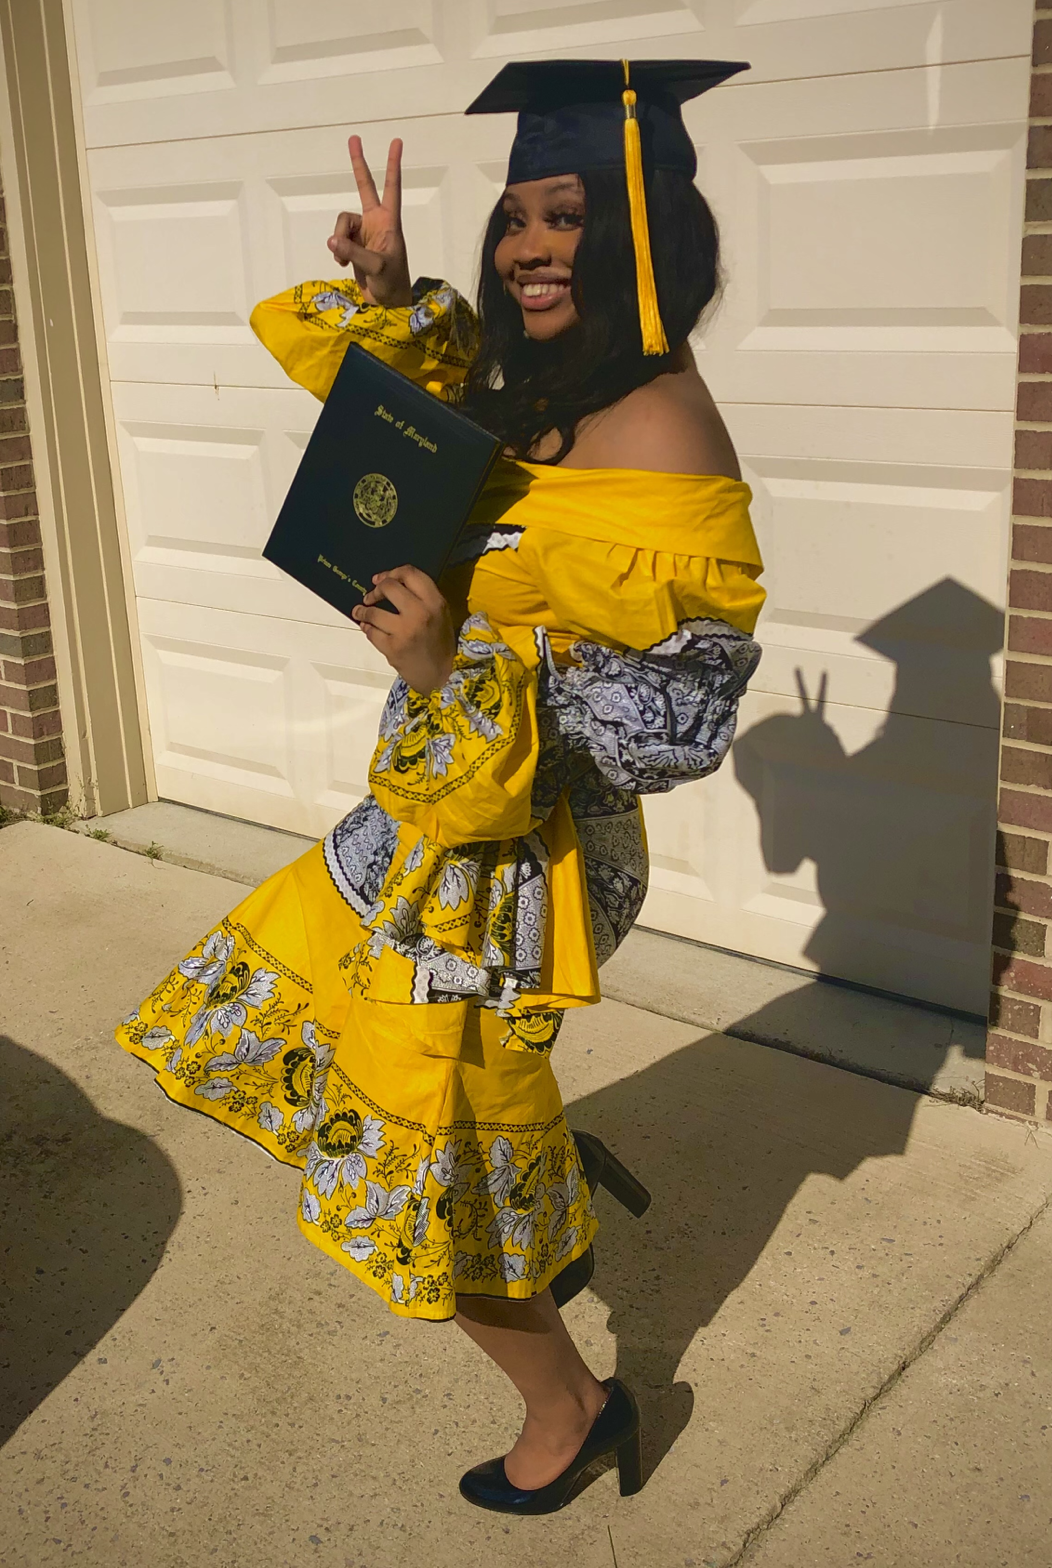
(576, 115)
(946, 614)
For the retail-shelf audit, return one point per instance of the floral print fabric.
(433, 1160)
(652, 719)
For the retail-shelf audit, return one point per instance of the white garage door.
(868, 175)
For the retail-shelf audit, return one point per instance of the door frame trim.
(86, 555)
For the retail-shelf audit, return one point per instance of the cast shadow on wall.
(723, 1165)
(89, 1205)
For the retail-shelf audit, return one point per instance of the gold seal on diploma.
(375, 500)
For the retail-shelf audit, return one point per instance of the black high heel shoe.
(615, 1430)
(601, 1169)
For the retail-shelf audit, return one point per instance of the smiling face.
(544, 220)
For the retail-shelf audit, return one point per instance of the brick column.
(1019, 1047)
(32, 768)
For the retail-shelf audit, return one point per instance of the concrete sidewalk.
(833, 1313)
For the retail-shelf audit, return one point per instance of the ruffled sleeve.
(459, 764)
(652, 719)
(308, 329)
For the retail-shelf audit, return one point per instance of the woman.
(381, 1013)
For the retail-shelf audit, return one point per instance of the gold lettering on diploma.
(380, 412)
(336, 572)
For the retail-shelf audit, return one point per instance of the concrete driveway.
(834, 1313)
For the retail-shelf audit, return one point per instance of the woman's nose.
(533, 245)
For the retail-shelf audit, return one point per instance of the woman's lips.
(542, 296)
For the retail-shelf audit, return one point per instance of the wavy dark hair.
(520, 389)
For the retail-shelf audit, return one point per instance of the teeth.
(541, 290)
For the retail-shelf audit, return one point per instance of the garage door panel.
(868, 176)
(175, 258)
(349, 707)
(261, 716)
(331, 38)
(874, 265)
(878, 539)
(191, 235)
(276, 64)
(200, 495)
(931, 438)
(225, 712)
(841, 842)
(846, 546)
(132, 51)
(204, 475)
(504, 28)
(839, 217)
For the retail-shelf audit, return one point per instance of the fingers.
(344, 244)
(413, 581)
(393, 179)
(363, 176)
(344, 235)
(374, 622)
(395, 592)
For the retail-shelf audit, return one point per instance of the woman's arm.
(425, 331)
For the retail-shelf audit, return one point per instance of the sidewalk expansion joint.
(756, 1533)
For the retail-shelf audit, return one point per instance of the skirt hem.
(437, 1312)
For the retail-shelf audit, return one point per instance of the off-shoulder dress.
(381, 1014)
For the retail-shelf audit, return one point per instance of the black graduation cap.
(571, 114)
(576, 115)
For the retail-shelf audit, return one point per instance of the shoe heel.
(603, 1169)
(630, 1465)
(622, 1185)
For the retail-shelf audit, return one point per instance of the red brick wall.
(1019, 1047)
(32, 769)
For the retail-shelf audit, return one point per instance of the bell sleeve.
(651, 719)
(308, 330)
(459, 763)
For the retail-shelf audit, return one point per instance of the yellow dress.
(381, 1013)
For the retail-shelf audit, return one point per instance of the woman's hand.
(419, 642)
(372, 241)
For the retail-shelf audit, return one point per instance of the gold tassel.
(654, 340)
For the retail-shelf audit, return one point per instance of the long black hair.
(521, 389)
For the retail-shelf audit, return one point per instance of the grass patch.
(154, 851)
(64, 817)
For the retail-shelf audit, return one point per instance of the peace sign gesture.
(372, 241)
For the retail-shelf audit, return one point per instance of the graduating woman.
(381, 1013)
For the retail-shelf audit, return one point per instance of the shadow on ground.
(89, 1205)
(902, 836)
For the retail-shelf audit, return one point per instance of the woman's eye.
(566, 220)
(513, 223)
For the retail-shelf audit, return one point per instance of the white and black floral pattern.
(359, 851)
(616, 867)
(656, 718)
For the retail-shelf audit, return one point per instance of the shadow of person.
(902, 832)
(902, 836)
(89, 1205)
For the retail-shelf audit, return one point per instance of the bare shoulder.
(671, 426)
